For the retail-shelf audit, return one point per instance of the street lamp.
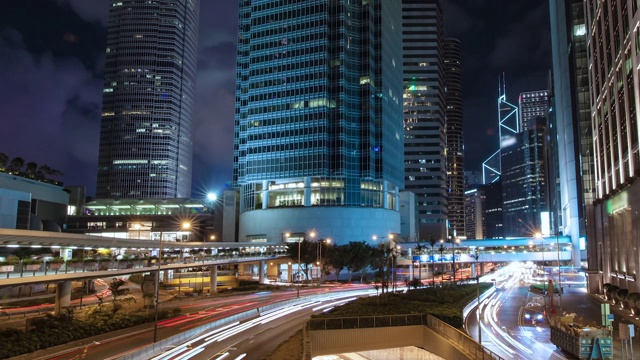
(453, 244)
(320, 264)
(156, 291)
(476, 256)
(441, 249)
(559, 271)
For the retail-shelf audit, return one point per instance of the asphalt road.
(197, 313)
(507, 332)
(258, 337)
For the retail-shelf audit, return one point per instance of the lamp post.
(320, 264)
(156, 291)
(454, 242)
(559, 271)
(557, 235)
(441, 249)
(476, 256)
(390, 251)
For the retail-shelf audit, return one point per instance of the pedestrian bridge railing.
(335, 335)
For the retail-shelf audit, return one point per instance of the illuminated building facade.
(318, 139)
(474, 215)
(532, 104)
(455, 138)
(613, 47)
(524, 181)
(571, 109)
(149, 84)
(424, 114)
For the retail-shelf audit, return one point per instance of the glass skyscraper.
(149, 84)
(455, 139)
(318, 143)
(424, 116)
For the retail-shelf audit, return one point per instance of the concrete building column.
(307, 192)
(265, 194)
(63, 296)
(289, 274)
(261, 270)
(213, 279)
(385, 194)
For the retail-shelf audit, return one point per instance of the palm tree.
(419, 249)
(432, 242)
(441, 249)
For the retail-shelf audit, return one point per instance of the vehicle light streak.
(222, 356)
(332, 304)
(189, 355)
(173, 351)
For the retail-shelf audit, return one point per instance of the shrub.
(136, 278)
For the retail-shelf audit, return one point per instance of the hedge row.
(51, 331)
(445, 303)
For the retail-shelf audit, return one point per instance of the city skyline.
(52, 66)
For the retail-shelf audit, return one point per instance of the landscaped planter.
(55, 266)
(32, 267)
(7, 268)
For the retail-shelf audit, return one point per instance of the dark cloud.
(48, 104)
(51, 64)
(509, 37)
(89, 10)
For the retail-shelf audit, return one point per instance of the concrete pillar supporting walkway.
(261, 271)
(213, 279)
(63, 296)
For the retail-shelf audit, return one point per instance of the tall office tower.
(424, 114)
(532, 104)
(493, 210)
(318, 145)
(524, 187)
(472, 179)
(149, 84)
(572, 111)
(474, 222)
(613, 34)
(455, 139)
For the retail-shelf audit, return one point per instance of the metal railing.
(459, 338)
(28, 269)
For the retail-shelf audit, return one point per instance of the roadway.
(254, 339)
(510, 333)
(200, 312)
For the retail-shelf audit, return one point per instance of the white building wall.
(340, 224)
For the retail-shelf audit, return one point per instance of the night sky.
(52, 57)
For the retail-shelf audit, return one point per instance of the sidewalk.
(576, 299)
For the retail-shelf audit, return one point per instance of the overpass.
(219, 253)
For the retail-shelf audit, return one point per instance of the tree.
(359, 255)
(379, 260)
(432, 242)
(441, 249)
(31, 169)
(16, 164)
(634, 298)
(337, 257)
(622, 295)
(308, 254)
(4, 159)
(117, 292)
